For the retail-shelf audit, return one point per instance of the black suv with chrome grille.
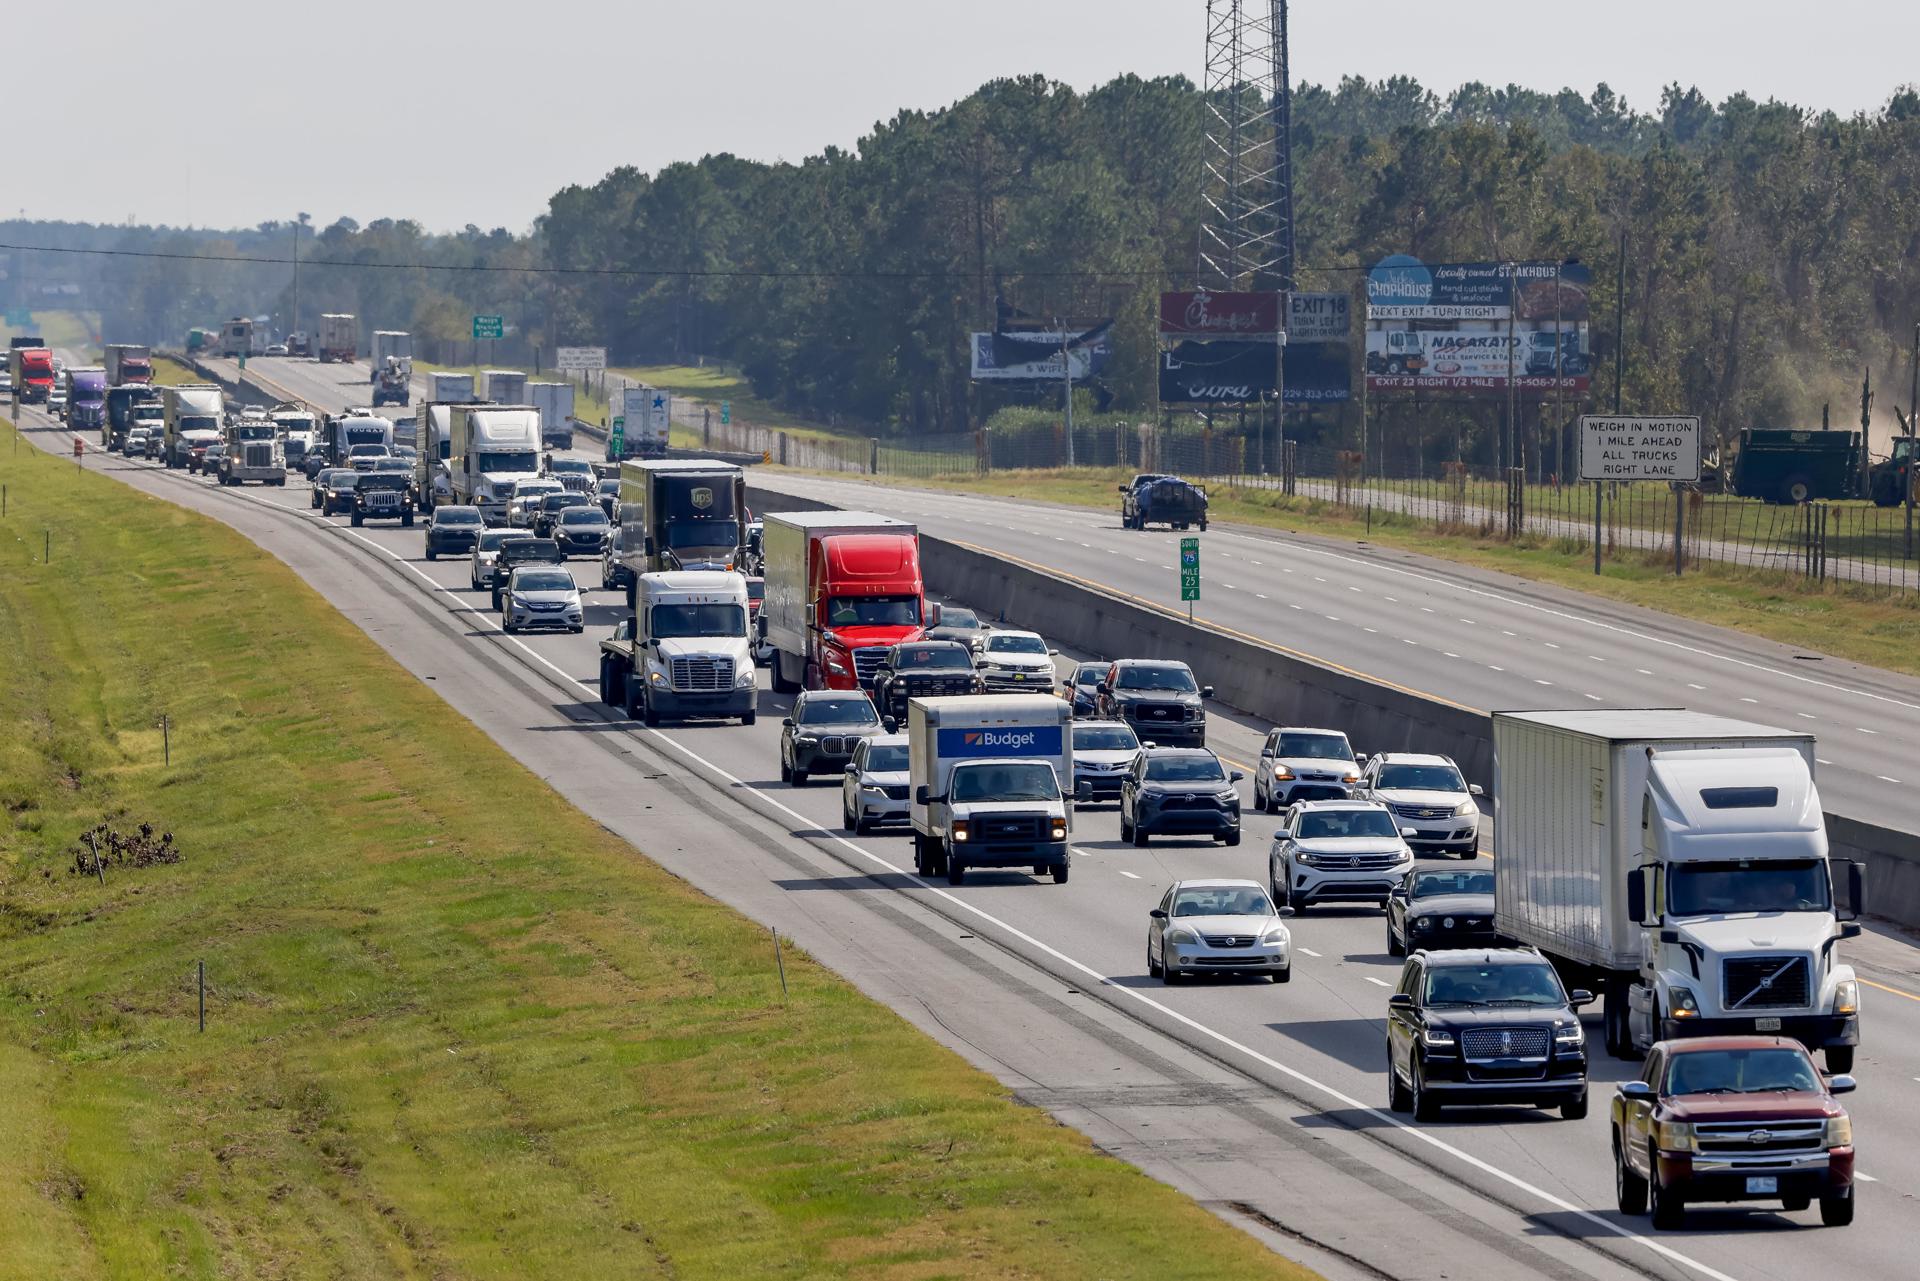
(383, 495)
(1158, 698)
(1485, 1026)
(923, 669)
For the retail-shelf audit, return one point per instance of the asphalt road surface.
(1264, 1102)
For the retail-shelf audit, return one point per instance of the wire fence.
(1873, 548)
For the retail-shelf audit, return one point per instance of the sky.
(473, 113)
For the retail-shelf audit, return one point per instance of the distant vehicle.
(555, 403)
(276, 349)
(607, 492)
(506, 387)
(956, 623)
(339, 337)
(211, 459)
(873, 790)
(1157, 697)
(1460, 1022)
(120, 404)
(333, 490)
(485, 548)
(1103, 752)
(1887, 480)
(383, 495)
(523, 501)
(298, 344)
(453, 530)
(1337, 852)
(1299, 764)
(686, 651)
(543, 517)
(491, 449)
(236, 338)
(57, 400)
(1437, 907)
(580, 531)
(923, 669)
(1082, 688)
(127, 363)
(30, 370)
(518, 552)
(575, 473)
(1218, 927)
(1162, 500)
(1179, 791)
(540, 596)
(135, 445)
(818, 737)
(1798, 466)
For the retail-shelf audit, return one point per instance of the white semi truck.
(338, 338)
(990, 775)
(1677, 862)
(192, 413)
(686, 652)
(254, 451)
(489, 448)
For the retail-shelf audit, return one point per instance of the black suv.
(1485, 1026)
(1179, 791)
(1440, 907)
(517, 552)
(383, 495)
(923, 669)
(543, 518)
(453, 528)
(1158, 698)
(1162, 500)
(820, 735)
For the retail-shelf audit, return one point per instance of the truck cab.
(120, 402)
(690, 514)
(254, 452)
(87, 398)
(987, 778)
(687, 651)
(1403, 351)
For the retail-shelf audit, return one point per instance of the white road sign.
(1318, 317)
(1639, 448)
(577, 359)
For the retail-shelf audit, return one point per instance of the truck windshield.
(1748, 885)
(873, 611)
(686, 534)
(668, 621)
(1163, 678)
(509, 460)
(1756, 1071)
(1009, 781)
(255, 433)
(198, 422)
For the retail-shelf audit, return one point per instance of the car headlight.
(1465, 808)
(1840, 1131)
(961, 831)
(1675, 1136)
(1682, 1003)
(808, 740)
(1423, 922)
(1349, 779)
(1277, 934)
(1436, 1036)
(1846, 997)
(1059, 829)
(1305, 859)
(1183, 935)
(519, 602)
(1569, 1033)
(1228, 795)
(873, 789)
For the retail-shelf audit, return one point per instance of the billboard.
(1401, 287)
(1463, 327)
(1318, 318)
(577, 359)
(1202, 313)
(1234, 372)
(1087, 361)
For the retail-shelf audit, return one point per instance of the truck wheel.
(799, 776)
(496, 598)
(406, 521)
(1618, 1037)
(1797, 489)
(1669, 1210)
(430, 552)
(1574, 1109)
(630, 694)
(748, 718)
(1840, 1058)
(1836, 1212)
(1629, 1189)
(956, 869)
(355, 518)
(649, 717)
(1425, 1106)
(1060, 872)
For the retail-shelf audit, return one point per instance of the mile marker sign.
(1614, 448)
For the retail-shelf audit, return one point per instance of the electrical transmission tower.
(1246, 236)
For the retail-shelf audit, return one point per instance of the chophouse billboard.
(1465, 326)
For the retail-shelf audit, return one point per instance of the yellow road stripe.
(1896, 991)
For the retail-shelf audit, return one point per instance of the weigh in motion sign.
(1615, 448)
(1189, 569)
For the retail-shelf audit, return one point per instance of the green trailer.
(1785, 466)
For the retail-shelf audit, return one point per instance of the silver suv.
(1337, 852)
(1427, 796)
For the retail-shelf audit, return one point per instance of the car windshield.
(960, 619)
(698, 620)
(1222, 900)
(1760, 1070)
(1088, 675)
(1104, 738)
(1520, 984)
(1326, 825)
(491, 540)
(1005, 781)
(1318, 747)
(560, 502)
(583, 516)
(931, 658)
(1185, 769)
(850, 710)
(1421, 778)
(891, 759)
(456, 516)
(1432, 884)
(873, 611)
(543, 580)
(376, 481)
(1747, 885)
(610, 487)
(1163, 678)
(1006, 643)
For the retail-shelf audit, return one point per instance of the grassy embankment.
(1844, 621)
(454, 1028)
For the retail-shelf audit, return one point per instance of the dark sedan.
(581, 531)
(1441, 907)
(544, 517)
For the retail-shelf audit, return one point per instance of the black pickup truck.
(1162, 500)
(521, 551)
(923, 669)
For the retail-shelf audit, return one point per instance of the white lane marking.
(1125, 872)
(1318, 579)
(1643, 671)
(1596, 698)
(1352, 588)
(1290, 606)
(1405, 641)
(1450, 654)
(1862, 729)
(1691, 685)
(1492, 668)
(1821, 760)
(1469, 622)
(1371, 631)
(1538, 681)
(1884, 779)
(1391, 600)
(1330, 618)
(1307, 951)
(1505, 632)
(1425, 610)
(1750, 700)
(1230, 587)
(1596, 658)
(1864, 1178)
(1806, 716)
(1259, 595)
(1550, 644)
(1257, 562)
(1376, 982)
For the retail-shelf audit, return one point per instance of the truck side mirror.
(649, 545)
(1579, 998)
(1638, 1090)
(920, 795)
(1856, 889)
(1637, 895)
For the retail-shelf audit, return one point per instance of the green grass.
(455, 1027)
(168, 372)
(1849, 622)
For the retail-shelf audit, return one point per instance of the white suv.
(1428, 796)
(1337, 852)
(1303, 765)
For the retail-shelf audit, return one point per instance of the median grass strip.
(454, 1027)
(1849, 622)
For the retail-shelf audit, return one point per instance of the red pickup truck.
(1732, 1118)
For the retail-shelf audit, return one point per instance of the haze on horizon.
(485, 139)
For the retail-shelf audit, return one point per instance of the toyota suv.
(1337, 852)
(1491, 1026)
(1303, 765)
(1179, 791)
(1732, 1118)
(1428, 797)
(1158, 698)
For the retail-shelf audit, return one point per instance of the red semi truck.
(841, 589)
(32, 369)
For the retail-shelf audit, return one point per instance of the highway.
(1265, 1102)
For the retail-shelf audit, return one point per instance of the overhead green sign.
(726, 412)
(489, 326)
(20, 317)
(1189, 569)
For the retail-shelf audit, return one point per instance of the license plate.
(1019, 676)
(1766, 1025)
(1763, 1186)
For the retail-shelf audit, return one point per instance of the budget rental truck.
(841, 589)
(1677, 863)
(987, 783)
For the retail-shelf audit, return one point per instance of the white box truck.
(555, 403)
(989, 778)
(685, 652)
(192, 413)
(236, 338)
(451, 389)
(338, 338)
(489, 449)
(397, 343)
(644, 415)
(1677, 863)
(505, 386)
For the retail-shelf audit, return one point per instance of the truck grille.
(259, 456)
(1158, 712)
(1009, 829)
(703, 675)
(1761, 1138)
(575, 484)
(1504, 1042)
(866, 661)
(1765, 982)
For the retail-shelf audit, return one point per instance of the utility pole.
(293, 323)
(1620, 324)
(1066, 372)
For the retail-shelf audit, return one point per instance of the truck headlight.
(1681, 1003)
(1569, 1034)
(659, 677)
(835, 666)
(1059, 829)
(1675, 1136)
(744, 680)
(1846, 997)
(1840, 1131)
(960, 832)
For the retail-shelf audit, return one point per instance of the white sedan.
(1015, 660)
(1218, 927)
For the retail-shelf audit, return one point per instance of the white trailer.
(1678, 862)
(555, 403)
(990, 776)
(451, 389)
(339, 337)
(505, 386)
